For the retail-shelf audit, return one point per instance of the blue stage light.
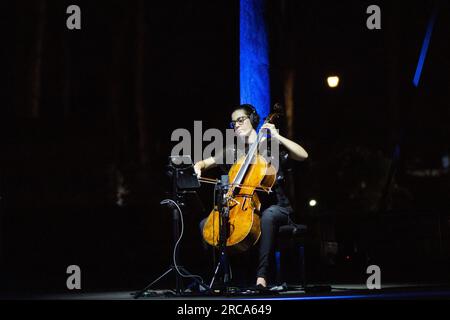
(254, 57)
(423, 52)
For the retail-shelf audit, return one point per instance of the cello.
(249, 174)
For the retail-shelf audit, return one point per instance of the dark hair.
(250, 112)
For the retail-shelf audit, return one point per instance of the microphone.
(224, 181)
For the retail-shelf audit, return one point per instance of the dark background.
(87, 112)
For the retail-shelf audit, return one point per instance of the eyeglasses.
(239, 120)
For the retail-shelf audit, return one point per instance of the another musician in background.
(276, 208)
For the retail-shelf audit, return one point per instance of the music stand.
(184, 181)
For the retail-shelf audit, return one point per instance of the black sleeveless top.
(279, 194)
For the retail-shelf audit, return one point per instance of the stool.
(291, 236)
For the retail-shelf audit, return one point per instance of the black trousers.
(272, 218)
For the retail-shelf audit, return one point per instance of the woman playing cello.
(276, 208)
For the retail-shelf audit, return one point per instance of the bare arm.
(204, 165)
(296, 151)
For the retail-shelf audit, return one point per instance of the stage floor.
(391, 291)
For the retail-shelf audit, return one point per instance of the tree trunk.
(139, 85)
(289, 101)
(37, 59)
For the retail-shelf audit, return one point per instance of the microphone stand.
(224, 214)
